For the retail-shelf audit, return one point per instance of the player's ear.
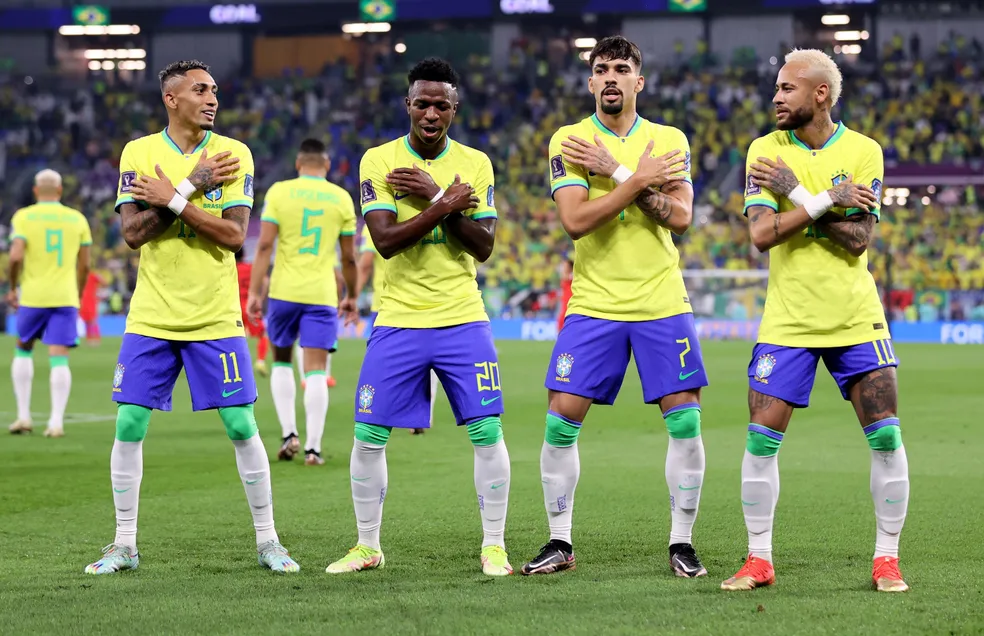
(822, 92)
(328, 164)
(640, 84)
(407, 101)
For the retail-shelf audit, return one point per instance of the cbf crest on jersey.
(764, 367)
(118, 377)
(214, 194)
(366, 396)
(565, 362)
(839, 177)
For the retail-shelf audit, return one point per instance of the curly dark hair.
(433, 69)
(615, 47)
(179, 68)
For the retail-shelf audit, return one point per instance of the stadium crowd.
(923, 109)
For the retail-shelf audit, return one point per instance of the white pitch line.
(70, 418)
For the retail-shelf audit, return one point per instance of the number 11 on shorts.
(225, 368)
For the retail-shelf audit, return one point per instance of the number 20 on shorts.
(487, 376)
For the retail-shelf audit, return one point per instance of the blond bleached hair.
(822, 64)
(47, 178)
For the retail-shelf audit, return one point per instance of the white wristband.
(800, 195)
(622, 174)
(438, 196)
(186, 189)
(177, 204)
(817, 205)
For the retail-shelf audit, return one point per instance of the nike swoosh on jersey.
(226, 394)
(398, 196)
(684, 376)
(486, 402)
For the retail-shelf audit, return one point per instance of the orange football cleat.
(755, 573)
(331, 382)
(886, 577)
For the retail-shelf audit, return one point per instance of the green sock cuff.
(885, 435)
(372, 433)
(485, 432)
(21, 353)
(58, 361)
(132, 422)
(319, 372)
(561, 432)
(683, 422)
(762, 441)
(239, 421)
(283, 364)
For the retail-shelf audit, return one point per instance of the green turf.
(198, 571)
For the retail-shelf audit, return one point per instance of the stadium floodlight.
(358, 28)
(925, 200)
(94, 65)
(400, 47)
(584, 55)
(847, 36)
(851, 49)
(108, 66)
(132, 65)
(585, 43)
(835, 19)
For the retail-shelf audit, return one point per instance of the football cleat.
(115, 558)
(684, 561)
(21, 426)
(361, 557)
(289, 448)
(275, 556)
(418, 431)
(312, 458)
(495, 561)
(885, 575)
(556, 556)
(331, 382)
(261, 368)
(54, 432)
(755, 573)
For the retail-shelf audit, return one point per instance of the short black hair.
(312, 146)
(179, 68)
(615, 47)
(433, 69)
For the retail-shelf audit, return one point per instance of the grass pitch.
(198, 571)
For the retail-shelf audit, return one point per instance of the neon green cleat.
(495, 561)
(361, 557)
(275, 556)
(115, 558)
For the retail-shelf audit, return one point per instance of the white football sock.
(369, 479)
(890, 490)
(22, 374)
(328, 366)
(759, 495)
(316, 410)
(254, 470)
(492, 474)
(684, 476)
(60, 380)
(433, 382)
(299, 358)
(284, 391)
(126, 471)
(560, 468)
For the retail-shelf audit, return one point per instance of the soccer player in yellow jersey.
(812, 194)
(306, 217)
(50, 247)
(372, 266)
(627, 297)
(429, 205)
(185, 308)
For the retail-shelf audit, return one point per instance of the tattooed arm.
(140, 226)
(769, 228)
(229, 231)
(672, 206)
(853, 233)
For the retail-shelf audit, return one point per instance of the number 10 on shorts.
(225, 368)
(487, 376)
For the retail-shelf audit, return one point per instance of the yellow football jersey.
(378, 269)
(187, 287)
(819, 295)
(53, 235)
(310, 214)
(431, 284)
(628, 269)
